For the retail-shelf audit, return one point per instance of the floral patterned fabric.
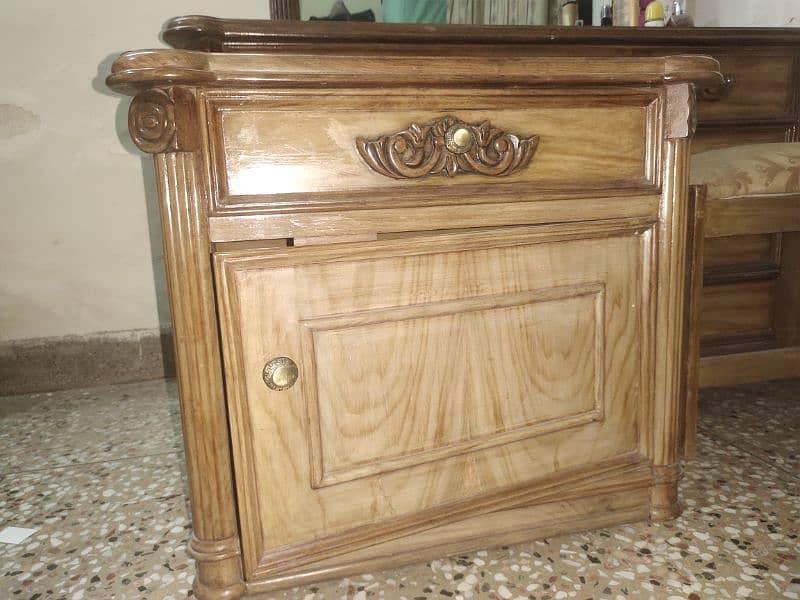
(744, 170)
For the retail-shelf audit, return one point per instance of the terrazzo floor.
(99, 473)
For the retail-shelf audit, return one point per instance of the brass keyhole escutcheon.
(280, 373)
(458, 139)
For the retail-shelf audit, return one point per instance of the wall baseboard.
(50, 364)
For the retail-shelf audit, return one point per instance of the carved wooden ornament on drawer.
(447, 146)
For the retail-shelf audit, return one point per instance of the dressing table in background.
(428, 294)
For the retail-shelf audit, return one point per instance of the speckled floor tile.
(760, 418)
(70, 495)
(128, 552)
(86, 426)
(113, 524)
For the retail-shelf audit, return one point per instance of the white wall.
(746, 13)
(80, 248)
(79, 235)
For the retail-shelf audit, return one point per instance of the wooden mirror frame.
(284, 10)
(289, 10)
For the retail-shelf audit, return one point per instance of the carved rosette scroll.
(163, 120)
(151, 121)
(449, 147)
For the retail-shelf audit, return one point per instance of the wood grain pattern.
(341, 287)
(735, 273)
(254, 35)
(737, 308)
(751, 298)
(753, 214)
(514, 525)
(715, 136)
(477, 361)
(670, 324)
(749, 302)
(750, 367)
(761, 88)
(137, 71)
(787, 292)
(738, 250)
(334, 224)
(271, 150)
(695, 258)
(545, 352)
(215, 540)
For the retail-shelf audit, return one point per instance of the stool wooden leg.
(694, 276)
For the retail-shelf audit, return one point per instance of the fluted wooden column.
(671, 331)
(157, 124)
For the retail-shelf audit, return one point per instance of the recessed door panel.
(431, 374)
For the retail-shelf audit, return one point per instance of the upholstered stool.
(745, 321)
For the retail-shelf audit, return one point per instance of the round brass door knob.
(458, 139)
(280, 373)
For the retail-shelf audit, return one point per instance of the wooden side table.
(425, 298)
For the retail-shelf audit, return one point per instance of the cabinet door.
(435, 375)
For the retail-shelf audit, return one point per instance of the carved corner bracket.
(160, 121)
(681, 117)
(447, 146)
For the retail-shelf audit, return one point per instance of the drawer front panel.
(452, 368)
(302, 150)
(761, 88)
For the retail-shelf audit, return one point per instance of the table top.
(274, 54)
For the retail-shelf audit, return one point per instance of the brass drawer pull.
(280, 373)
(716, 93)
(447, 146)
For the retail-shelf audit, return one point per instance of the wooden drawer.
(435, 376)
(276, 153)
(761, 88)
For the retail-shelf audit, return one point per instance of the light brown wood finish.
(739, 250)
(671, 248)
(759, 88)
(749, 316)
(750, 300)
(762, 103)
(215, 540)
(753, 215)
(737, 307)
(787, 292)
(714, 136)
(694, 281)
(759, 104)
(267, 144)
(331, 224)
(480, 358)
(750, 367)
(533, 351)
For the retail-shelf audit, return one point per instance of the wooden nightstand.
(425, 297)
